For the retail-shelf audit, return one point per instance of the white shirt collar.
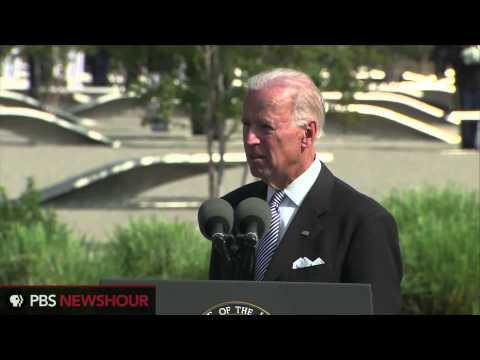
(298, 189)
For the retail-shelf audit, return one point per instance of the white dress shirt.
(295, 192)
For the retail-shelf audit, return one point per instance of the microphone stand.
(245, 261)
(238, 254)
(222, 245)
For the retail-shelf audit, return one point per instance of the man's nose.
(251, 138)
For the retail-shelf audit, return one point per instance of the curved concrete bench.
(380, 119)
(404, 104)
(103, 101)
(457, 116)
(115, 184)
(43, 127)
(442, 95)
(10, 98)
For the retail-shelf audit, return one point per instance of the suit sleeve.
(374, 258)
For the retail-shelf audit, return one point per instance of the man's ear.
(309, 134)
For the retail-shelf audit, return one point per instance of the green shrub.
(149, 247)
(35, 248)
(26, 210)
(439, 234)
(34, 255)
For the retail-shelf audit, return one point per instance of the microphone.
(252, 219)
(215, 218)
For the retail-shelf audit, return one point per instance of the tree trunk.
(100, 68)
(216, 125)
(221, 164)
(33, 76)
(209, 54)
(51, 98)
(211, 165)
(131, 77)
(220, 130)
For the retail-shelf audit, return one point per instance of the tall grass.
(34, 255)
(35, 248)
(440, 242)
(149, 247)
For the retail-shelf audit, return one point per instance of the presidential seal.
(236, 308)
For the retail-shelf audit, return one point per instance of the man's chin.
(258, 172)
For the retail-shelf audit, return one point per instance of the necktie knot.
(277, 198)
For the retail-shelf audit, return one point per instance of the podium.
(220, 297)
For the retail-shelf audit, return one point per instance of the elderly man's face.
(271, 139)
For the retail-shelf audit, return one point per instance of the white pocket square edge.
(304, 262)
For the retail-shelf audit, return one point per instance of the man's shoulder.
(255, 189)
(347, 199)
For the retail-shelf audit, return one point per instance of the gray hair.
(308, 101)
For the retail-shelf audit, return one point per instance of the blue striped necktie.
(269, 243)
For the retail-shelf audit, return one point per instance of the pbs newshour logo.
(16, 301)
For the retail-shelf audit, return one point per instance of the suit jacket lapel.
(260, 190)
(308, 217)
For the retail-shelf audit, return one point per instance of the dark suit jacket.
(355, 236)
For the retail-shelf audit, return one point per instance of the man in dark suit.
(344, 235)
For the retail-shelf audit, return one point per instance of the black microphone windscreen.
(215, 215)
(253, 210)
